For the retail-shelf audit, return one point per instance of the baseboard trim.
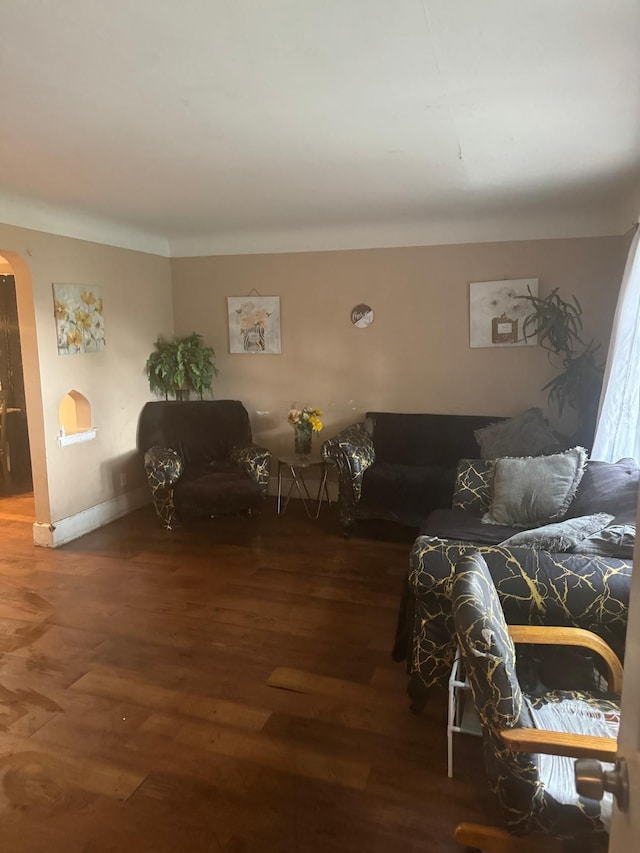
(52, 535)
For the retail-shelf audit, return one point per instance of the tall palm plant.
(558, 325)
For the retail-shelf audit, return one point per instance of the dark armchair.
(200, 460)
(530, 739)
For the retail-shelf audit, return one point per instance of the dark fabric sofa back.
(608, 487)
(426, 439)
(201, 431)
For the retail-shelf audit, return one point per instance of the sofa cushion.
(425, 439)
(215, 466)
(608, 487)
(456, 525)
(407, 492)
(529, 434)
(216, 494)
(201, 431)
(531, 491)
(562, 535)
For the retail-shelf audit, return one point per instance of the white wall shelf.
(77, 437)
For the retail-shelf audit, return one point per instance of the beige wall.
(416, 354)
(136, 289)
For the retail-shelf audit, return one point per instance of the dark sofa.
(399, 467)
(200, 459)
(586, 587)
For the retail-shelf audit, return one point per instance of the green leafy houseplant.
(179, 365)
(558, 325)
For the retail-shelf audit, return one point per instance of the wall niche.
(74, 418)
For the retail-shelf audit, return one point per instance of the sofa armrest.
(352, 452)
(163, 467)
(254, 461)
(535, 588)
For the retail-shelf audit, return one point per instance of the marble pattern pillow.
(472, 488)
(530, 491)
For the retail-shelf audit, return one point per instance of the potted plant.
(558, 325)
(180, 365)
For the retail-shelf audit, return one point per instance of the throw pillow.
(527, 435)
(609, 487)
(531, 491)
(617, 540)
(562, 535)
(472, 489)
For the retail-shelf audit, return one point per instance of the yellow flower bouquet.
(305, 422)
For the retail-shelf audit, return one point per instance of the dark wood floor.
(225, 687)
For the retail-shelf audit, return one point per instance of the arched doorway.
(16, 460)
(30, 391)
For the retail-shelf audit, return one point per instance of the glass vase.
(302, 439)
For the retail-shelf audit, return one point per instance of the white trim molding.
(54, 534)
(510, 227)
(54, 219)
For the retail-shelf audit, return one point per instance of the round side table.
(294, 466)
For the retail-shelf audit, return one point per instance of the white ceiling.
(208, 126)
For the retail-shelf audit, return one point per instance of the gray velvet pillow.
(616, 540)
(561, 535)
(526, 435)
(531, 491)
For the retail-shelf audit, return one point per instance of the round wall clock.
(362, 316)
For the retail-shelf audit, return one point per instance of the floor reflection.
(17, 507)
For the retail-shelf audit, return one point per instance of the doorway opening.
(16, 483)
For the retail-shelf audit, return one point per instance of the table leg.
(323, 489)
(293, 484)
(299, 483)
(279, 485)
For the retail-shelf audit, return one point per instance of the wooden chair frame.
(491, 839)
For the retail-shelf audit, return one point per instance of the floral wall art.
(254, 324)
(496, 312)
(79, 317)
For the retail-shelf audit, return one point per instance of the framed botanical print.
(79, 316)
(254, 324)
(496, 312)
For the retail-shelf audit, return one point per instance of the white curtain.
(618, 430)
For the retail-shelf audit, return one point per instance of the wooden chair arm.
(495, 840)
(560, 743)
(560, 636)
